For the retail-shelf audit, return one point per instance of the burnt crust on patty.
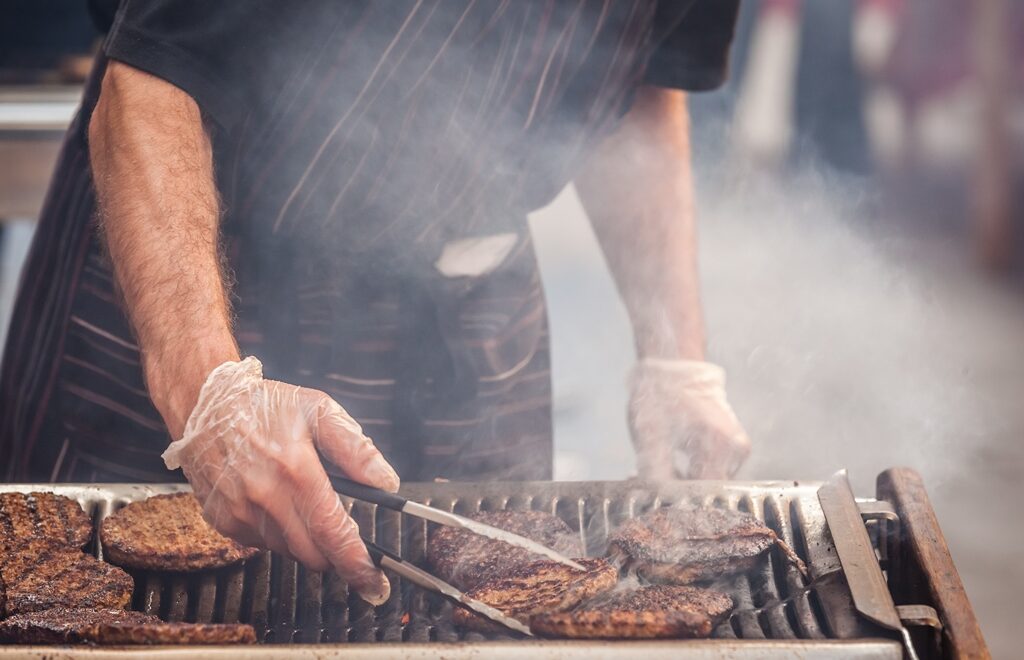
(465, 559)
(542, 586)
(112, 626)
(39, 515)
(684, 546)
(167, 533)
(41, 574)
(650, 612)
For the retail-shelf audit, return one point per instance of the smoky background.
(848, 281)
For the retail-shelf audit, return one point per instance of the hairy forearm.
(637, 191)
(158, 209)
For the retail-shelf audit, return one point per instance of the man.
(354, 177)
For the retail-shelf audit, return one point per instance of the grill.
(851, 547)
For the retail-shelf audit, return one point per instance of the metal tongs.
(386, 559)
(389, 560)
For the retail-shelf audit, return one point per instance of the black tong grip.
(377, 553)
(367, 493)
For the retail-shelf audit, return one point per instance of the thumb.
(342, 441)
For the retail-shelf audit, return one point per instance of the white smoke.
(838, 354)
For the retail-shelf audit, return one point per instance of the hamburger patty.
(111, 626)
(40, 574)
(466, 559)
(541, 586)
(683, 546)
(28, 516)
(168, 533)
(657, 611)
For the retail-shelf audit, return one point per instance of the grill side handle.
(927, 571)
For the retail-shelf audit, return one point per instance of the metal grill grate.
(288, 604)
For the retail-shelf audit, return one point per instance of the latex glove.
(682, 425)
(250, 452)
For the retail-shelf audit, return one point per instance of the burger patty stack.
(53, 592)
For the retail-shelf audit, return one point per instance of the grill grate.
(288, 604)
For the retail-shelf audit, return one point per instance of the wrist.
(174, 378)
(667, 343)
(668, 328)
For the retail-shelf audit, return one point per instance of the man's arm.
(638, 193)
(250, 447)
(153, 168)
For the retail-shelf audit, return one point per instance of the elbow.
(104, 113)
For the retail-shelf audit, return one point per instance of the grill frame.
(591, 508)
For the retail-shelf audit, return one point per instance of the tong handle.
(367, 493)
(377, 553)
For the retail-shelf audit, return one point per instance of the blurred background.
(860, 215)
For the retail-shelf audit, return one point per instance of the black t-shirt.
(217, 51)
(364, 124)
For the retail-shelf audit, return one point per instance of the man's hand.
(682, 425)
(637, 190)
(250, 452)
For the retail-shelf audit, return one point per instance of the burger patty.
(684, 546)
(168, 533)
(656, 611)
(466, 559)
(542, 586)
(28, 516)
(112, 626)
(40, 574)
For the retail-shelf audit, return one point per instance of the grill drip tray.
(299, 613)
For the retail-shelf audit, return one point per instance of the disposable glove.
(250, 453)
(682, 425)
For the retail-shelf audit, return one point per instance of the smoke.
(841, 349)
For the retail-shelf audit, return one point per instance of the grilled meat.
(683, 546)
(111, 626)
(542, 586)
(168, 533)
(175, 633)
(40, 574)
(27, 516)
(656, 611)
(465, 559)
(64, 625)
